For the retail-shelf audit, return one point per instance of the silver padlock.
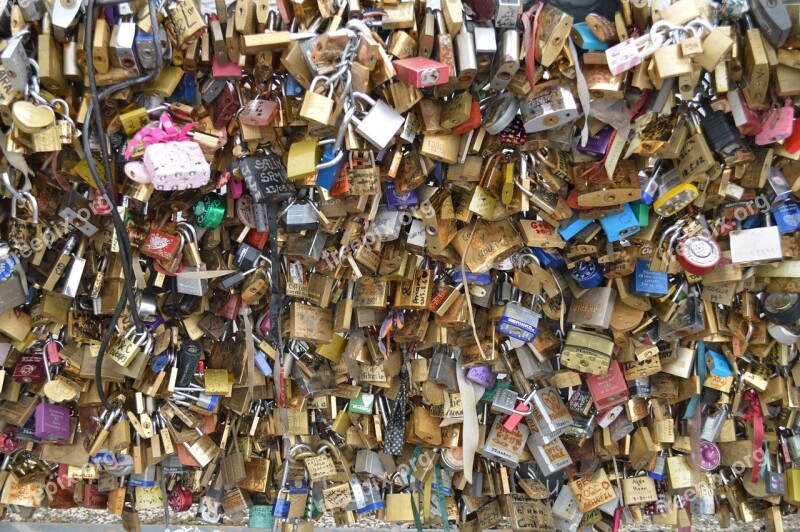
(504, 402)
(65, 16)
(380, 124)
(506, 61)
(507, 13)
(15, 62)
(121, 45)
(503, 448)
(32, 10)
(466, 57)
(485, 50)
(756, 246)
(555, 417)
(713, 424)
(547, 107)
(145, 45)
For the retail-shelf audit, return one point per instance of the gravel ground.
(78, 515)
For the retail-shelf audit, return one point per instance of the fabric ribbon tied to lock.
(165, 131)
(753, 413)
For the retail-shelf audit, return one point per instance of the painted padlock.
(171, 166)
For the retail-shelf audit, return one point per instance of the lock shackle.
(325, 80)
(34, 206)
(14, 192)
(188, 229)
(364, 98)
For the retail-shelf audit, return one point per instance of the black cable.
(125, 247)
(97, 98)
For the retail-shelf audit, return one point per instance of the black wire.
(97, 98)
(122, 235)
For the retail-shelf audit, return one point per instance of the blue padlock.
(620, 226)
(481, 279)
(327, 176)
(548, 258)
(570, 228)
(787, 217)
(586, 39)
(262, 363)
(292, 88)
(587, 274)
(281, 507)
(185, 92)
(647, 282)
(159, 362)
(399, 201)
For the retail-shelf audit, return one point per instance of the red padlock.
(792, 142)
(29, 369)
(179, 499)
(8, 440)
(473, 122)
(699, 254)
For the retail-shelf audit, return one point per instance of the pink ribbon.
(166, 131)
(753, 413)
(394, 322)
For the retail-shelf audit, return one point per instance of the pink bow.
(165, 132)
(393, 322)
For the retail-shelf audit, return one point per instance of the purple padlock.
(152, 322)
(397, 201)
(52, 423)
(482, 375)
(598, 143)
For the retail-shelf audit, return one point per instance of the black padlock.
(719, 129)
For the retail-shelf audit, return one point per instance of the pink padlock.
(176, 165)
(136, 171)
(777, 125)
(230, 70)
(237, 187)
(258, 113)
(623, 56)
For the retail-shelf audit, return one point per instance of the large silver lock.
(15, 62)
(485, 50)
(713, 424)
(65, 16)
(121, 45)
(547, 107)
(757, 245)
(190, 285)
(555, 418)
(506, 61)
(689, 318)
(380, 124)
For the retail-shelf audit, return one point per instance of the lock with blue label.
(519, 322)
(787, 217)
(587, 274)
(620, 226)
(647, 282)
